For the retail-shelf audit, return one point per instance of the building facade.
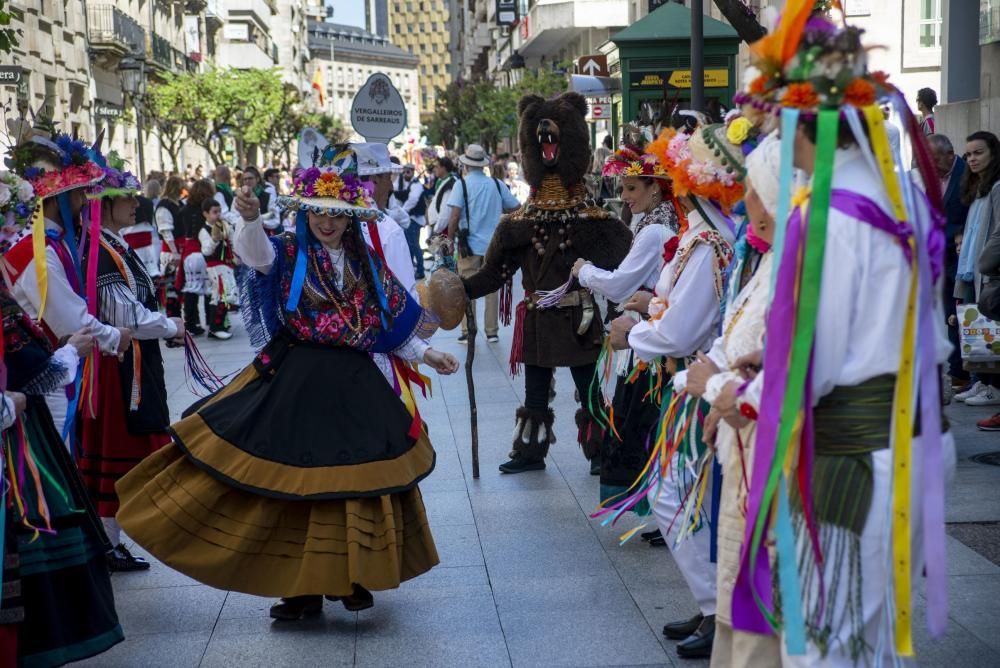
(52, 55)
(246, 35)
(422, 28)
(347, 56)
(120, 29)
(290, 32)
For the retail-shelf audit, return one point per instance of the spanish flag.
(317, 85)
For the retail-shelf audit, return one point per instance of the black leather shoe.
(682, 630)
(699, 644)
(296, 607)
(521, 465)
(650, 535)
(658, 541)
(595, 466)
(120, 560)
(360, 599)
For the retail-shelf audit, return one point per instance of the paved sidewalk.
(526, 578)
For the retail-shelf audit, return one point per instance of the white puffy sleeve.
(252, 245)
(643, 259)
(691, 317)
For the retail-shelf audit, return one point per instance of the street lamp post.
(133, 76)
(697, 55)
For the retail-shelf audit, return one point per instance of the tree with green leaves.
(9, 37)
(292, 118)
(484, 113)
(220, 104)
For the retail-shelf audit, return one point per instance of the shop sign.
(10, 75)
(107, 110)
(714, 78)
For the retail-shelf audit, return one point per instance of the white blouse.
(691, 318)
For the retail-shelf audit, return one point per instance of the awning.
(594, 86)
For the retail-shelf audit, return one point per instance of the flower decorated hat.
(704, 163)
(117, 182)
(330, 184)
(53, 162)
(809, 63)
(629, 160)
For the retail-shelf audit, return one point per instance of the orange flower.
(758, 85)
(801, 95)
(859, 93)
(881, 78)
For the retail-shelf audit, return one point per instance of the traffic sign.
(600, 108)
(378, 112)
(595, 65)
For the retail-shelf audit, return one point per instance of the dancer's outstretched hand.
(639, 302)
(444, 363)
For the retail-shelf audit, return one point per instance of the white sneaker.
(222, 335)
(988, 397)
(976, 388)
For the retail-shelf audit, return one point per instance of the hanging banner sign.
(378, 112)
(506, 12)
(714, 78)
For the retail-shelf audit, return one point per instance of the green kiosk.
(653, 59)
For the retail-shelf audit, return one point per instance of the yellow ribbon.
(903, 403)
(41, 267)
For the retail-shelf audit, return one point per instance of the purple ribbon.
(753, 581)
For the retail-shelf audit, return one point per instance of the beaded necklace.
(333, 296)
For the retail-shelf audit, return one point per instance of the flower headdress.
(704, 163)
(17, 203)
(117, 181)
(810, 63)
(628, 160)
(331, 184)
(53, 162)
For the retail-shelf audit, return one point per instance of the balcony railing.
(165, 56)
(161, 51)
(109, 27)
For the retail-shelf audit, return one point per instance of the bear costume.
(558, 224)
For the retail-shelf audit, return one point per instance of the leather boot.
(359, 599)
(590, 436)
(296, 607)
(532, 436)
(699, 644)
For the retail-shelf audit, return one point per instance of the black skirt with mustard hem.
(299, 477)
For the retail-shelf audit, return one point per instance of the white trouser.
(874, 574)
(58, 406)
(692, 555)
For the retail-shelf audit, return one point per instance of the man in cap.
(375, 165)
(477, 203)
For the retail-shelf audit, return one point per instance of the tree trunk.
(742, 19)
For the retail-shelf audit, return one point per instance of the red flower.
(747, 411)
(670, 249)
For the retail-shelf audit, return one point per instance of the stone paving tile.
(432, 627)
(169, 609)
(162, 650)
(326, 640)
(573, 621)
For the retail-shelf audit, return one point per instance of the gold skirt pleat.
(232, 539)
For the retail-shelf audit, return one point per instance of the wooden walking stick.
(470, 320)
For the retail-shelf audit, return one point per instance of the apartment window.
(930, 24)
(50, 97)
(423, 98)
(409, 27)
(397, 29)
